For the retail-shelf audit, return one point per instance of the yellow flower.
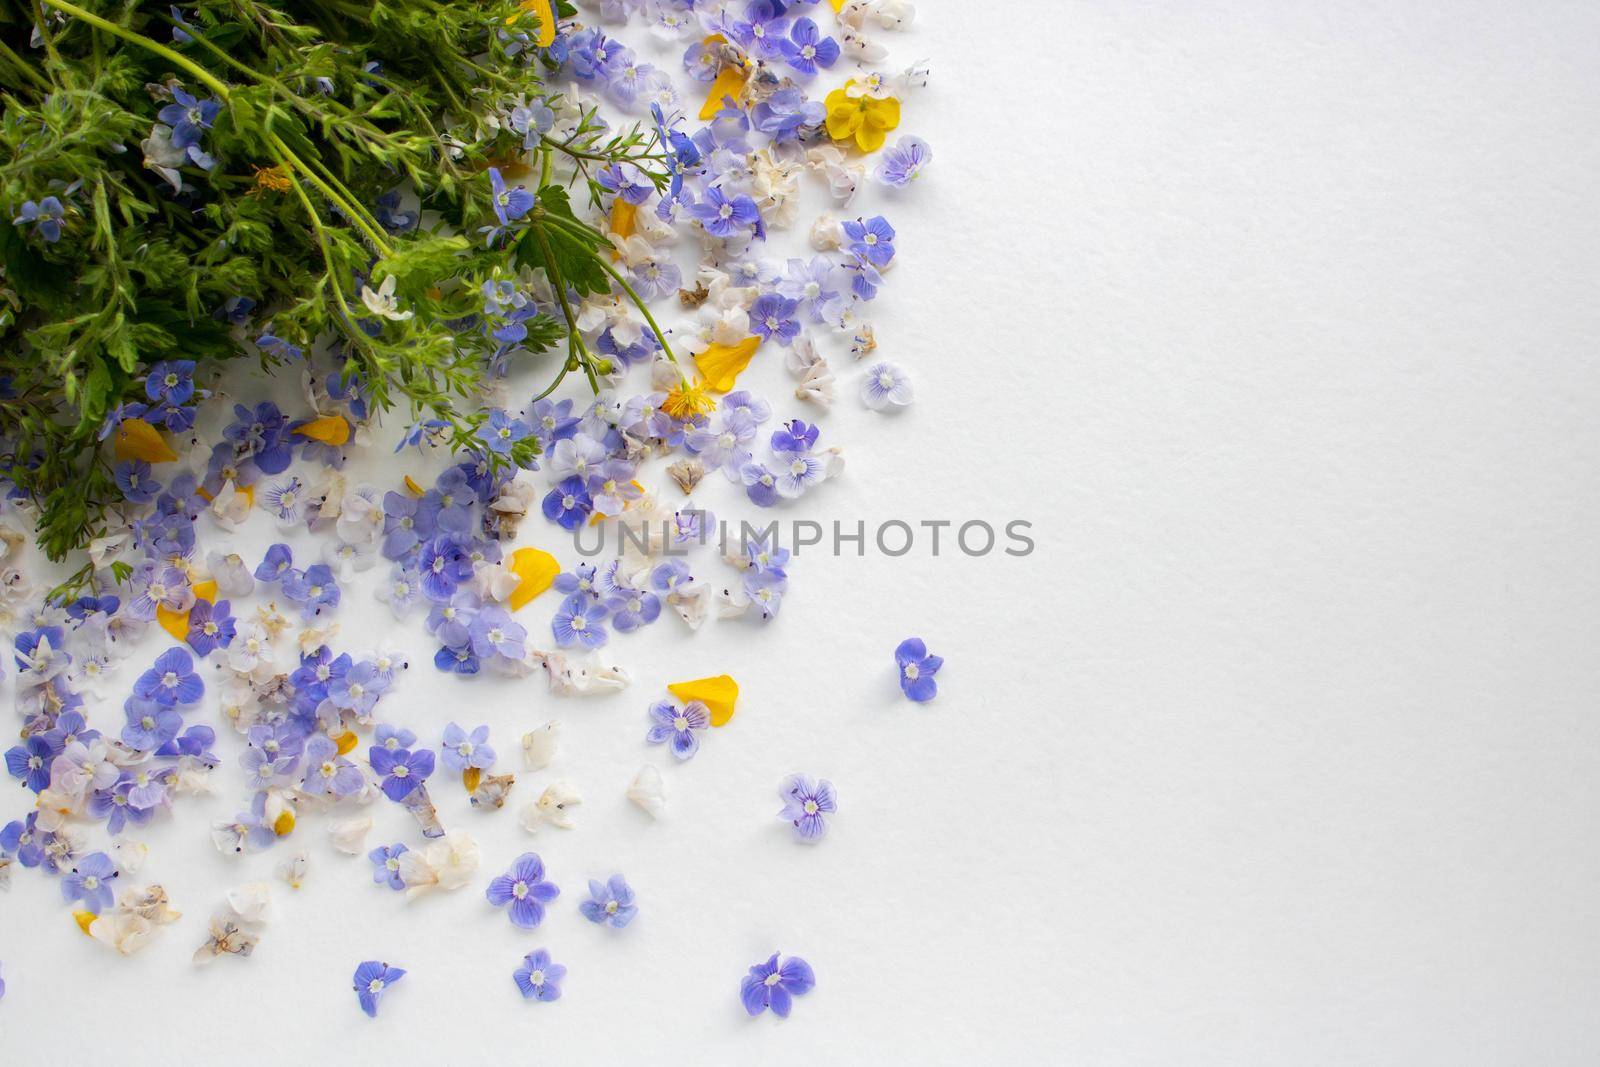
(536, 569)
(722, 364)
(137, 439)
(624, 219)
(866, 120)
(544, 11)
(271, 179)
(717, 694)
(729, 82)
(687, 400)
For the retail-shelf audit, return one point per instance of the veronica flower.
(885, 385)
(871, 239)
(90, 882)
(902, 164)
(462, 750)
(313, 589)
(722, 443)
(772, 317)
(164, 587)
(188, 117)
(286, 502)
(775, 984)
(510, 203)
(386, 865)
(247, 831)
(632, 608)
(444, 565)
(552, 421)
(668, 722)
(402, 771)
(580, 620)
(329, 772)
(917, 668)
(569, 503)
(807, 49)
(524, 888)
(495, 633)
(134, 479)
(500, 431)
(210, 626)
(610, 902)
(760, 484)
(264, 770)
(45, 216)
(805, 802)
(30, 761)
(357, 689)
(278, 562)
(722, 217)
(538, 978)
(171, 680)
(170, 382)
(626, 181)
(371, 979)
(611, 488)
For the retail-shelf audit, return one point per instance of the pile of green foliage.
(219, 180)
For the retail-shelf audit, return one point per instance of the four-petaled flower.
(805, 802)
(774, 984)
(371, 979)
(90, 881)
(668, 722)
(538, 978)
(462, 750)
(171, 680)
(611, 902)
(524, 888)
(401, 770)
(917, 668)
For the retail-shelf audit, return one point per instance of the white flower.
(448, 863)
(349, 835)
(250, 901)
(648, 791)
(383, 301)
(539, 746)
(818, 386)
(232, 576)
(885, 385)
(293, 870)
(553, 807)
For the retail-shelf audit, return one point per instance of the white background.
(1278, 321)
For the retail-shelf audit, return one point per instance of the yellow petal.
(838, 5)
(624, 218)
(722, 364)
(544, 11)
(137, 439)
(729, 82)
(536, 569)
(717, 694)
(84, 919)
(870, 138)
(283, 825)
(206, 590)
(471, 777)
(347, 741)
(413, 487)
(330, 430)
(175, 623)
(687, 400)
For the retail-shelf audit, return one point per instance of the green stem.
(574, 338)
(200, 73)
(616, 276)
(25, 68)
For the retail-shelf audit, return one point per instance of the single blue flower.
(917, 668)
(90, 881)
(171, 680)
(611, 902)
(386, 865)
(807, 49)
(189, 117)
(524, 888)
(278, 562)
(805, 802)
(45, 215)
(402, 771)
(314, 589)
(501, 431)
(900, 165)
(510, 203)
(211, 626)
(463, 751)
(775, 984)
(871, 239)
(721, 216)
(371, 979)
(30, 761)
(568, 505)
(681, 726)
(538, 978)
(580, 620)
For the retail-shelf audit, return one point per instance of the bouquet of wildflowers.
(273, 180)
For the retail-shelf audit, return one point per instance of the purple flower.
(524, 888)
(627, 181)
(210, 626)
(538, 978)
(462, 750)
(500, 431)
(917, 669)
(632, 608)
(46, 216)
(386, 865)
(90, 882)
(495, 633)
(885, 385)
(760, 484)
(403, 527)
(170, 382)
(580, 621)
(721, 217)
(401, 770)
(134, 479)
(170, 681)
(510, 203)
(30, 761)
(188, 117)
(805, 802)
(806, 49)
(668, 722)
(358, 688)
(899, 166)
(313, 589)
(611, 902)
(871, 239)
(329, 772)
(579, 579)
(278, 562)
(775, 985)
(773, 318)
(371, 979)
(569, 503)
(444, 565)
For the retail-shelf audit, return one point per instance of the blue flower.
(500, 431)
(871, 239)
(805, 802)
(462, 750)
(133, 478)
(899, 166)
(444, 565)
(386, 865)
(45, 216)
(775, 984)
(149, 725)
(917, 668)
(170, 681)
(524, 888)
(668, 722)
(510, 203)
(210, 626)
(90, 882)
(402, 771)
(313, 589)
(610, 903)
(278, 562)
(189, 117)
(569, 503)
(626, 181)
(721, 217)
(580, 620)
(806, 49)
(773, 318)
(371, 979)
(30, 761)
(538, 978)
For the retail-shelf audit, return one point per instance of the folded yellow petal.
(84, 919)
(175, 623)
(536, 569)
(722, 364)
(717, 694)
(330, 430)
(544, 11)
(283, 825)
(137, 439)
(206, 590)
(624, 218)
(413, 487)
(347, 741)
(729, 82)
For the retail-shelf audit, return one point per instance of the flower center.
(811, 807)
